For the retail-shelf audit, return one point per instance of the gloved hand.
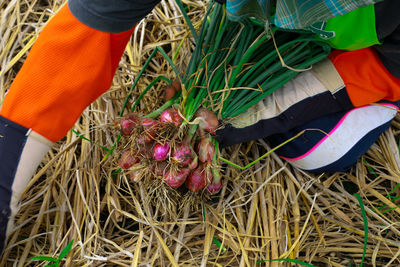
(335, 142)
(355, 79)
(320, 99)
(345, 80)
(71, 64)
(309, 95)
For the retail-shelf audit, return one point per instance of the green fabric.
(352, 31)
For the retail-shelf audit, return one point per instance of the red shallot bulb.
(161, 151)
(150, 127)
(171, 115)
(169, 92)
(176, 179)
(205, 150)
(148, 123)
(128, 159)
(172, 89)
(209, 120)
(128, 123)
(183, 154)
(216, 183)
(198, 179)
(214, 187)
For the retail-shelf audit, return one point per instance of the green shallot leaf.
(365, 219)
(44, 258)
(65, 251)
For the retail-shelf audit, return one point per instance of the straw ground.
(271, 211)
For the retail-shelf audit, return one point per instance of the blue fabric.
(309, 139)
(12, 141)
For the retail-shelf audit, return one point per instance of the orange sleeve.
(366, 78)
(68, 67)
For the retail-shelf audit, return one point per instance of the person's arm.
(346, 80)
(334, 97)
(72, 63)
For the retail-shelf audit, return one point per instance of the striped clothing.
(293, 14)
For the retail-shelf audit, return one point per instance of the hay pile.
(270, 211)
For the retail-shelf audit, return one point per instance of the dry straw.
(270, 211)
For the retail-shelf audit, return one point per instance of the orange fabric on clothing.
(366, 78)
(68, 67)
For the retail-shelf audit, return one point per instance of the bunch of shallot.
(167, 148)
